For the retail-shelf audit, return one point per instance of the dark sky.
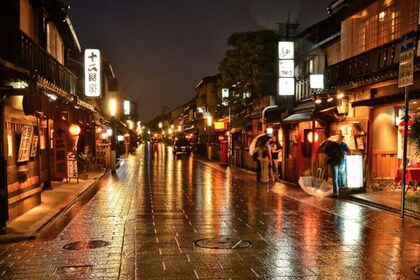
(160, 49)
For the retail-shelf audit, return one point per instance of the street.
(162, 216)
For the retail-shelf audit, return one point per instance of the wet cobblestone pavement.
(167, 217)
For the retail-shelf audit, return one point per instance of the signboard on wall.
(59, 147)
(347, 132)
(34, 146)
(25, 143)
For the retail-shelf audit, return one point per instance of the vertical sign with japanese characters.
(286, 68)
(25, 143)
(92, 73)
(60, 147)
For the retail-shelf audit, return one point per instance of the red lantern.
(401, 126)
(221, 138)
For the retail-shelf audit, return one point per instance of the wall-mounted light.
(74, 129)
(113, 107)
(340, 95)
(126, 105)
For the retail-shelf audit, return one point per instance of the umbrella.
(336, 138)
(315, 186)
(330, 144)
(262, 138)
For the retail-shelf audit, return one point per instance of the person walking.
(276, 154)
(264, 157)
(342, 168)
(256, 158)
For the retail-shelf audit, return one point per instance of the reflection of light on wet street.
(352, 228)
(183, 201)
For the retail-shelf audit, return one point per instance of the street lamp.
(263, 113)
(209, 123)
(72, 170)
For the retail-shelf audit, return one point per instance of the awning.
(39, 103)
(298, 117)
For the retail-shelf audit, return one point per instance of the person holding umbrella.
(336, 150)
(256, 150)
(264, 158)
(276, 153)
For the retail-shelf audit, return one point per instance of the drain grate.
(223, 243)
(81, 245)
(72, 270)
(416, 269)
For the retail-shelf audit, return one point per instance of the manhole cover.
(72, 270)
(81, 245)
(223, 243)
(416, 269)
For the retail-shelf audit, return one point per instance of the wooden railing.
(18, 49)
(375, 61)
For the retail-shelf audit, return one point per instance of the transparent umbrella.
(256, 140)
(315, 186)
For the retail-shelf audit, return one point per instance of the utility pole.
(287, 29)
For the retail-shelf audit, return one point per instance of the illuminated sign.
(316, 81)
(354, 167)
(220, 125)
(287, 86)
(126, 107)
(92, 73)
(225, 96)
(286, 50)
(286, 68)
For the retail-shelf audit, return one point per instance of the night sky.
(160, 49)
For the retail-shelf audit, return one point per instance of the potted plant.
(86, 158)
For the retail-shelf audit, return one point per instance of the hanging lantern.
(311, 138)
(74, 129)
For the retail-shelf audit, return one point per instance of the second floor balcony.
(376, 65)
(20, 53)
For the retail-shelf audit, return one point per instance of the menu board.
(72, 171)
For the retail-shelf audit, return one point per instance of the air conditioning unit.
(343, 106)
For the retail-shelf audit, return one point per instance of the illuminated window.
(378, 24)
